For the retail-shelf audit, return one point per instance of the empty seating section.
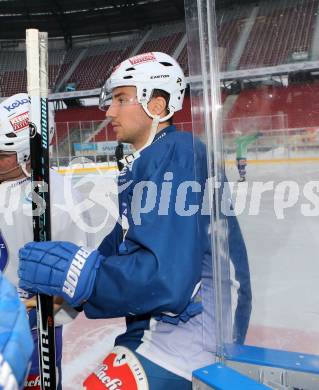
(99, 60)
(228, 34)
(70, 56)
(97, 65)
(12, 61)
(164, 38)
(13, 82)
(280, 29)
(183, 60)
(230, 23)
(55, 58)
(13, 75)
(12, 72)
(167, 44)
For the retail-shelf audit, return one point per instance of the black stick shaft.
(40, 175)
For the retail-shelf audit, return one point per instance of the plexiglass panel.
(268, 141)
(271, 123)
(207, 122)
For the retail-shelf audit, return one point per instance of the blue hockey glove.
(58, 268)
(16, 343)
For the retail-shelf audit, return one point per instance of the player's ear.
(157, 106)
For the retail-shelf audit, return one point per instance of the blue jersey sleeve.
(157, 266)
(111, 242)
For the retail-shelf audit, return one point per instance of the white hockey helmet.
(147, 72)
(14, 126)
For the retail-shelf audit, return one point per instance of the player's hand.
(31, 303)
(58, 268)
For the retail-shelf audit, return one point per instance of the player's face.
(8, 160)
(129, 120)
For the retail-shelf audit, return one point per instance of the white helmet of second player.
(14, 126)
(147, 72)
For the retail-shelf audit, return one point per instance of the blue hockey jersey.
(158, 273)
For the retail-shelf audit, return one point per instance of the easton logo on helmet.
(142, 58)
(160, 76)
(16, 104)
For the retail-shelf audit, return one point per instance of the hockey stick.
(37, 75)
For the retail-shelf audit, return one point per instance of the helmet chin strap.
(156, 120)
(23, 166)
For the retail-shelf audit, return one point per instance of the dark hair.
(160, 93)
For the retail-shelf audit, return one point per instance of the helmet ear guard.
(144, 96)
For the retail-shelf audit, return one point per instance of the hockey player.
(16, 211)
(242, 142)
(16, 344)
(155, 269)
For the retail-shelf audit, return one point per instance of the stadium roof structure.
(69, 18)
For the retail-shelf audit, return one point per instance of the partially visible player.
(16, 344)
(242, 142)
(16, 212)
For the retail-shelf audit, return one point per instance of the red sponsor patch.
(32, 382)
(146, 57)
(20, 122)
(117, 373)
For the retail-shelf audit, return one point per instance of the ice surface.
(283, 249)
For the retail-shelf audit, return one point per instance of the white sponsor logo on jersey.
(112, 384)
